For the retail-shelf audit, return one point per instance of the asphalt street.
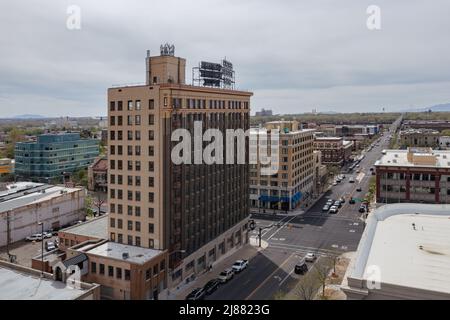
(271, 270)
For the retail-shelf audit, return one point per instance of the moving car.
(301, 267)
(351, 180)
(211, 286)
(226, 275)
(362, 208)
(310, 257)
(333, 209)
(342, 200)
(358, 189)
(352, 201)
(326, 208)
(239, 265)
(196, 294)
(47, 235)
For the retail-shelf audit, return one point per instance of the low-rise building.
(6, 166)
(335, 150)
(413, 175)
(23, 205)
(444, 142)
(98, 175)
(264, 113)
(54, 155)
(293, 183)
(320, 173)
(22, 283)
(403, 254)
(419, 138)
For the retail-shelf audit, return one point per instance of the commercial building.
(293, 183)
(444, 142)
(403, 254)
(320, 173)
(23, 205)
(98, 175)
(438, 125)
(21, 283)
(413, 175)
(54, 155)
(197, 212)
(264, 113)
(419, 138)
(6, 166)
(335, 150)
(350, 130)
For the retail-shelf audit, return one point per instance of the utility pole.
(8, 233)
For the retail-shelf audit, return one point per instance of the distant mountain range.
(28, 116)
(445, 107)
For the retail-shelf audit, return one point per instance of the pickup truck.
(240, 265)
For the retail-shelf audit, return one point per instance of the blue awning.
(295, 198)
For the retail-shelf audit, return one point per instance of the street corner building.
(194, 212)
(404, 253)
(414, 175)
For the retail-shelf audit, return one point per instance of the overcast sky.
(294, 55)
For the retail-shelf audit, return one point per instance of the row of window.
(118, 274)
(136, 135)
(131, 120)
(136, 180)
(137, 165)
(130, 242)
(137, 195)
(137, 210)
(137, 150)
(137, 225)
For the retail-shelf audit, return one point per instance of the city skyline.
(332, 62)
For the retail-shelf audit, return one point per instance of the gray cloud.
(294, 55)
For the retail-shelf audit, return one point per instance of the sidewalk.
(245, 252)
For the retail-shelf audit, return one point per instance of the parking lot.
(25, 251)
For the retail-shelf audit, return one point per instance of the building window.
(119, 224)
(151, 135)
(137, 211)
(112, 106)
(137, 181)
(137, 150)
(151, 243)
(110, 271)
(102, 269)
(137, 135)
(112, 222)
(130, 195)
(119, 238)
(151, 197)
(127, 274)
(130, 120)
(130, 105)
(130, 240)
(138, 104)
(148, 274)
(93, 267)
(138, 241)
(130, 210)
(137, 196)
(151, 104)
(151, 181)
(119, 105)
(113, 236)
(151, 151)
(151, 228)
(119, 273)
(137, 166)
(155, 270)
(151, 166)
(151, 119)
(151, 212)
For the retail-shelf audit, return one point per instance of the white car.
(34, 237)
(239, 265)
(333, 209)
(310, 257)
(48, 235)
(326, 208)
(226, 275)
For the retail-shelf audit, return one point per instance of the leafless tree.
(98, 202)
(308, 286)
(321, 271)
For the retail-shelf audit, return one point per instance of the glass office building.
(54, 155)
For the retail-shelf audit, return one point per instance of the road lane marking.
(269, 277)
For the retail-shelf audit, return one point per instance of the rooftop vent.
(394, 161)
(444, 156)
(125, 255)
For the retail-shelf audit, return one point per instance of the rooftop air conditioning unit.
(125, 255)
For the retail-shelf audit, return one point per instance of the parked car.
(351, 180)
(352, 201)
(301, 267)
(196, 294)
(342, 200)
(333, 209)
(226, 275)
(211, 286)
(310, 257)
(50, 245)
(337, 203)
(358, 189)
(362, 208)
(47, 235)
(329, 202)
(34, 237)
(239, 265)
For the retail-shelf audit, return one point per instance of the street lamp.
(42, 248)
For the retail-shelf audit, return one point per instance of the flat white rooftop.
(410, 244)
(17, 285)
(137, 255)
(399, 158)
(24, 193)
